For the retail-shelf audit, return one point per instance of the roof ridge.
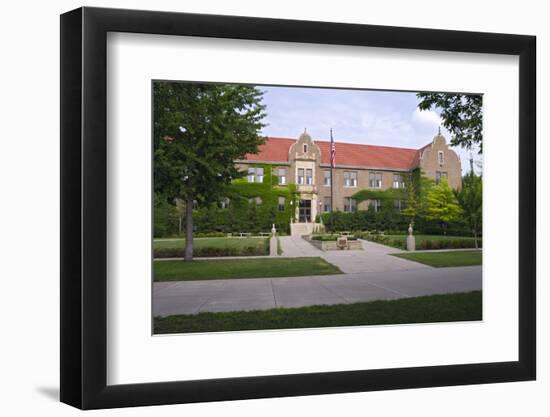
(351, 143)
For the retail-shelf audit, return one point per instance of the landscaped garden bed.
(335, 242)
(423, 242)
(212, 247)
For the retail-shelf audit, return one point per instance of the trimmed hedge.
(206, 252)
(422, 244)
(385, 240)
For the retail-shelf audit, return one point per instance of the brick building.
(306, 163)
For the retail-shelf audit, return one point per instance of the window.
(326, 204)
(440, 157)
(398, 181)
(258, 200)
(376, 204)
(375, 179)
(282, 202)
(224, 203)
(399, 204)
(439, 175)
(255, 174)
(350, 179)
(350, 205)
(309, 176)
(326, 178)
(305, 148)
(259, 175)
(301, 176)
(282, 173)
(251, 174)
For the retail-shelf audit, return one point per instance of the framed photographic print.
(258, 208)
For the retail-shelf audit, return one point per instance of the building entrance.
(304, 211)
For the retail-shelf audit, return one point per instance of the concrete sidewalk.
(191, 297)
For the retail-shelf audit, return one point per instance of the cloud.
(428, 117)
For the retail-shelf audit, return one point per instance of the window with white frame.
(376, 204)
(255, 174)
(440, 158)
(375, 179)
(350, 205)
(309, 176)
(350, 179)
(259, 175)
(282, 175)
(301, 178)
(282, 203)
(398, 181)
(399, 204)
(326, 178)
(251, 174)
(326, 204)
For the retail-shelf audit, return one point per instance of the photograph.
(289, 207)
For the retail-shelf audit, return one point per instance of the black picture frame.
(84, 207)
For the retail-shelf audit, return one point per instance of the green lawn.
(210, 242)
(427, 309)
(444, 259)
(241, 268)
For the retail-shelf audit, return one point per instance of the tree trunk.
(189, 228)
(475, 239)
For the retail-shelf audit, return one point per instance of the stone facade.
(306, 166)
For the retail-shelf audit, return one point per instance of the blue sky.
(356, 116)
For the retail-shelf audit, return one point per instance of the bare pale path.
(191, 297)
(373, 258)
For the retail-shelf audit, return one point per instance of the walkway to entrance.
(373, 258)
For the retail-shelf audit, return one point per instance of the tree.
(199, 130)
(461, 114)
(470, 198)
(441, 204)
(417, 186)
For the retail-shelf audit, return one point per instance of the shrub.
(205, 252)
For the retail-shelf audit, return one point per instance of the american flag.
(332, 151)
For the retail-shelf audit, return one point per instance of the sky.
(356, 116)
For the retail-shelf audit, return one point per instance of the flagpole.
(332, 163)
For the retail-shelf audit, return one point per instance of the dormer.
(304, 149)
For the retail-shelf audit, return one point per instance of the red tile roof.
(352, 154)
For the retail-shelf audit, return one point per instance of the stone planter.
(332, 245)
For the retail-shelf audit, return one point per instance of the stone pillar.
(411, 241)
(273, 243)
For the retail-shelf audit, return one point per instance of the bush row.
(422, 244)
(205, 252)
(452, 243)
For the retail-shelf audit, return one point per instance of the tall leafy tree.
(417, 186)
(199, 130)
(442, 204)
(470, 198)
(462, 116)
